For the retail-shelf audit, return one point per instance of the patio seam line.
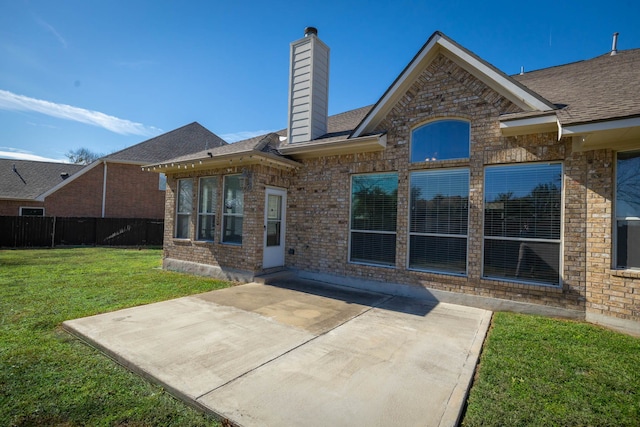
(461, 391)
(373, 306)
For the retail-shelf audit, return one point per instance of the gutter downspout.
(559, 128)
(104, 188)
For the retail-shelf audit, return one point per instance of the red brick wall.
(133, 193)
(130, 193)
(12, 208)
(81, 197)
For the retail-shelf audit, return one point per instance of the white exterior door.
(274, 227)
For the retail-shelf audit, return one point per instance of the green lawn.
(49, 378)
(534, 371)
(537, 371)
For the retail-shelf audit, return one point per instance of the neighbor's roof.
(338, 125)
(31, 178)
(602, 88)
(185, 140)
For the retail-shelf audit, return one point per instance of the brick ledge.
(629, 274)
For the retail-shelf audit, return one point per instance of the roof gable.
(30, 179)
(438, 43)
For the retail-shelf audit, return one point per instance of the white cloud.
(239, 136)
(12, 102)
(53, 31)
(14, 153)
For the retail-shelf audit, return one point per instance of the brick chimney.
(308, 88)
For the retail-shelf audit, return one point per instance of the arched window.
(440, 140)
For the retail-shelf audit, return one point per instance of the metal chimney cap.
(614, 44)
(310, 30)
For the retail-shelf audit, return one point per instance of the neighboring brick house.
(461, 182)
(112, 187)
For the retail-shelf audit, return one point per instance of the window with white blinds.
(233, 212)
(628, 210)
(184, 207)
(208, 195)
(439, 216)
(522, 222)
(374, 200)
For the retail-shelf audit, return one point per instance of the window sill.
(547, 287)
(438, 272)
(439, 164)
(203, 242)
(371, 264)
(627, 273)
(181, 241)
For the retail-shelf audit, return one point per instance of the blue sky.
(105, 75)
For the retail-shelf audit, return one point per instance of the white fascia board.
(393, 91)
(227, 160)
(528, 125)
(72, 178)
(126, 162)
(20, 199)
(336, 147)
(584, 128)
(494, 79)
(520, 96)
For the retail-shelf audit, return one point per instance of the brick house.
(111, 187)
(460, 183)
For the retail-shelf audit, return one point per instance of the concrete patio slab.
(302, 353)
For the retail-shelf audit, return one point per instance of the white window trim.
(32, 207)
(559, 241)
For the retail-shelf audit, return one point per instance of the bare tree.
(82, 156)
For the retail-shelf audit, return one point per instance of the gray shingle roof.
(32, 178)
(179, 142)
(345, 123)
(338, 125)
(239, 147)
(603, 88)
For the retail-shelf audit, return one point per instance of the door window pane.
(274, 219)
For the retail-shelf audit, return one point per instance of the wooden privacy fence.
(32, 231)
